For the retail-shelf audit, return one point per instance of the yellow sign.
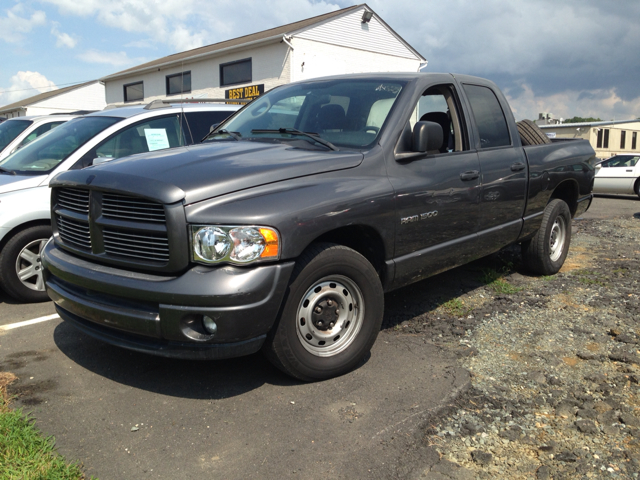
(246, 93)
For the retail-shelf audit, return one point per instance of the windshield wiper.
(233, 135)
(7, 171)
(294, 131)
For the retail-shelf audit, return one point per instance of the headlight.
(234, 244)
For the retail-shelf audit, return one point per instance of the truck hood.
(199, 172)
(11, 183)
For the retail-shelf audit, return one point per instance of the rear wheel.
(545, 253)
(21, 273)
(331, 316)
(637, 187)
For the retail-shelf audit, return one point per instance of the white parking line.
(29, 322)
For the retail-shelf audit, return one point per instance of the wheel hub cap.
(29, 265)
(330, 316)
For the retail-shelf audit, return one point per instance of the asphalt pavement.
(128, 415)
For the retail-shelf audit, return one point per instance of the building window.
(634, 138)
(600, 133)
(606, 138)
(133, 92)
(623, 139)
(233, 73)
(179, 83)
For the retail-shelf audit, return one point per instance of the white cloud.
(117, 59)
(62, 39)
(24, 85)
(187, 24)
(604, 104)
(15, 25)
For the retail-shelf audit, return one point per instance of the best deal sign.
(245, 93)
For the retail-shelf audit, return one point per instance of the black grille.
(123, 207)
(74, 232)
(74, 199)
(147, 246)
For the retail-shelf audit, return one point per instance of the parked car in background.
(17, 132)
(618, 174)
(90, 139)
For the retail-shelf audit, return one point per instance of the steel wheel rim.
(29, 265)
(556, 238)
(331, 293)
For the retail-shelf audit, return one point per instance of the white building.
(86, 96)
(351, 40)
(607, 138)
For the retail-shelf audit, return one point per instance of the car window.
(39, 131)
(490, 119)
(10, 129)
(621, 161)
(199, 123)
(41, 157)
(145, 136)
(438, 104)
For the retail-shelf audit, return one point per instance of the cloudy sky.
(571, 58)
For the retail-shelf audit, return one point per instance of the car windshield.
(346, 113)
(47, 152)
(9, 130)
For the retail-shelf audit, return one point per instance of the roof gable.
(25, 102)
(309, 24)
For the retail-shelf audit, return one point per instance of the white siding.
(91, 97)
(270, 65)
(349, 31)
(315, 59)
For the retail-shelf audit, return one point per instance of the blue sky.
(566, 57)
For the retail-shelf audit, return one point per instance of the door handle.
(630, 170)
(516, 167)
(469, 175)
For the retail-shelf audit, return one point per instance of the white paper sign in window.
(156, 138)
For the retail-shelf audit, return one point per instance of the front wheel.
(545, 253)
(331, 316)
(21, 267)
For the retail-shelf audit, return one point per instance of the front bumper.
(163, 315)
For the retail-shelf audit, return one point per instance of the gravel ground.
(554, 361)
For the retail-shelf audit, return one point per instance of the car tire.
(330, 317)
(20, 258)
(530, 133)
(637, 187)
(545, 253)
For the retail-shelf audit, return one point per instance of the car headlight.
(234, 244)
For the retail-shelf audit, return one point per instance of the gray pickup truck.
(284, 229)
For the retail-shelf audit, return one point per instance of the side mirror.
(214, 126)
(427, 136)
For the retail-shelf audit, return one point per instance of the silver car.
(25, 223)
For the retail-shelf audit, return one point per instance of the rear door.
(503, 168)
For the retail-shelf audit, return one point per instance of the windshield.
(9, 130)
(47, 152)
(345, 113)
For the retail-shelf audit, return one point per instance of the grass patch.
(455, 307)
(494, 279)
(24, 453)
(584, 276)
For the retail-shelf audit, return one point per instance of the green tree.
(581, 120)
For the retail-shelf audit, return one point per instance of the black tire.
(348, 284)
(545, 253)
(28, 242)
(530, 133)
(637, 187)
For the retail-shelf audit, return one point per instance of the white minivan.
(25, 223)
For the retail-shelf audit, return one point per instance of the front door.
(436, 195)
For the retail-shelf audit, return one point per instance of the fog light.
(209, 325)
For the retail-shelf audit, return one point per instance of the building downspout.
(286, 40)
